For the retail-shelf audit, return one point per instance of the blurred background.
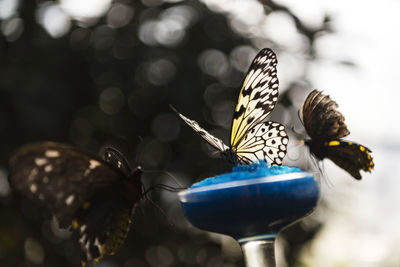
(99, 72)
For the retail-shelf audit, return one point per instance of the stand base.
(260, 253)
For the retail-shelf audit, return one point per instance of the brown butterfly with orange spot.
(325, 125)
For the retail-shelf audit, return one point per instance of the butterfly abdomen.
(118, 232)
(231, 156)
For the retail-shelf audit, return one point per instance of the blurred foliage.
(92, 81)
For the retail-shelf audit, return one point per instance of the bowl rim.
(258, 180)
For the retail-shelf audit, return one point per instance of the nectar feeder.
(251, 204)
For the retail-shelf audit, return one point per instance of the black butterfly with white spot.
(93, 196)
(252, 138)
(325, 125)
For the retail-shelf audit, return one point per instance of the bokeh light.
(56, 22)
(34, 251)
(8, 8)
(87, 9)
(12, 28)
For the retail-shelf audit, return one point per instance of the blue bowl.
(255, 208)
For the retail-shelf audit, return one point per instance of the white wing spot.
(83, 238)
(119, 164)
(88, 255)
(40, 161)
(93, 164)
(281, 154)
(33, 188)
(97, 243)
(69, 200)
(83, 228)
(48, 168)
(52, 153)
(32, 174)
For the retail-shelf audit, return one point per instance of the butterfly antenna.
(168, 174)
(174, 109)
(299, 116)
(164, 187)
(329, 181)
(158, 207)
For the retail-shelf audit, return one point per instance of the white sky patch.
(368, 93)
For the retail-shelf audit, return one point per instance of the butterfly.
(93, 196)
(252, 138)
(325, 125)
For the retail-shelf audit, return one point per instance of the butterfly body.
(325, 125)
(92, 196)
(252, 138)
(318, 148)
(230, 155)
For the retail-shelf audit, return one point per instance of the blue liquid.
(251, 201)
(242, 172)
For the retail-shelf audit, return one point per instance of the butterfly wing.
(212, 140)
(266, 141)
(321, 119)
(257, 97)
(115, 211)
(103, 222)
(81, 190)
(59, 176)
(350, 156)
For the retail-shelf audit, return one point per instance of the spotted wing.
(321, 119)
(257, 97)
(103, 222)
(350, 156)
(81, 190)
(212, 140)
(114, 211)
(266, 141)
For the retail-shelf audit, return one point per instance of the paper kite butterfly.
(92, 196)
(325, 125)
(252, 138)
